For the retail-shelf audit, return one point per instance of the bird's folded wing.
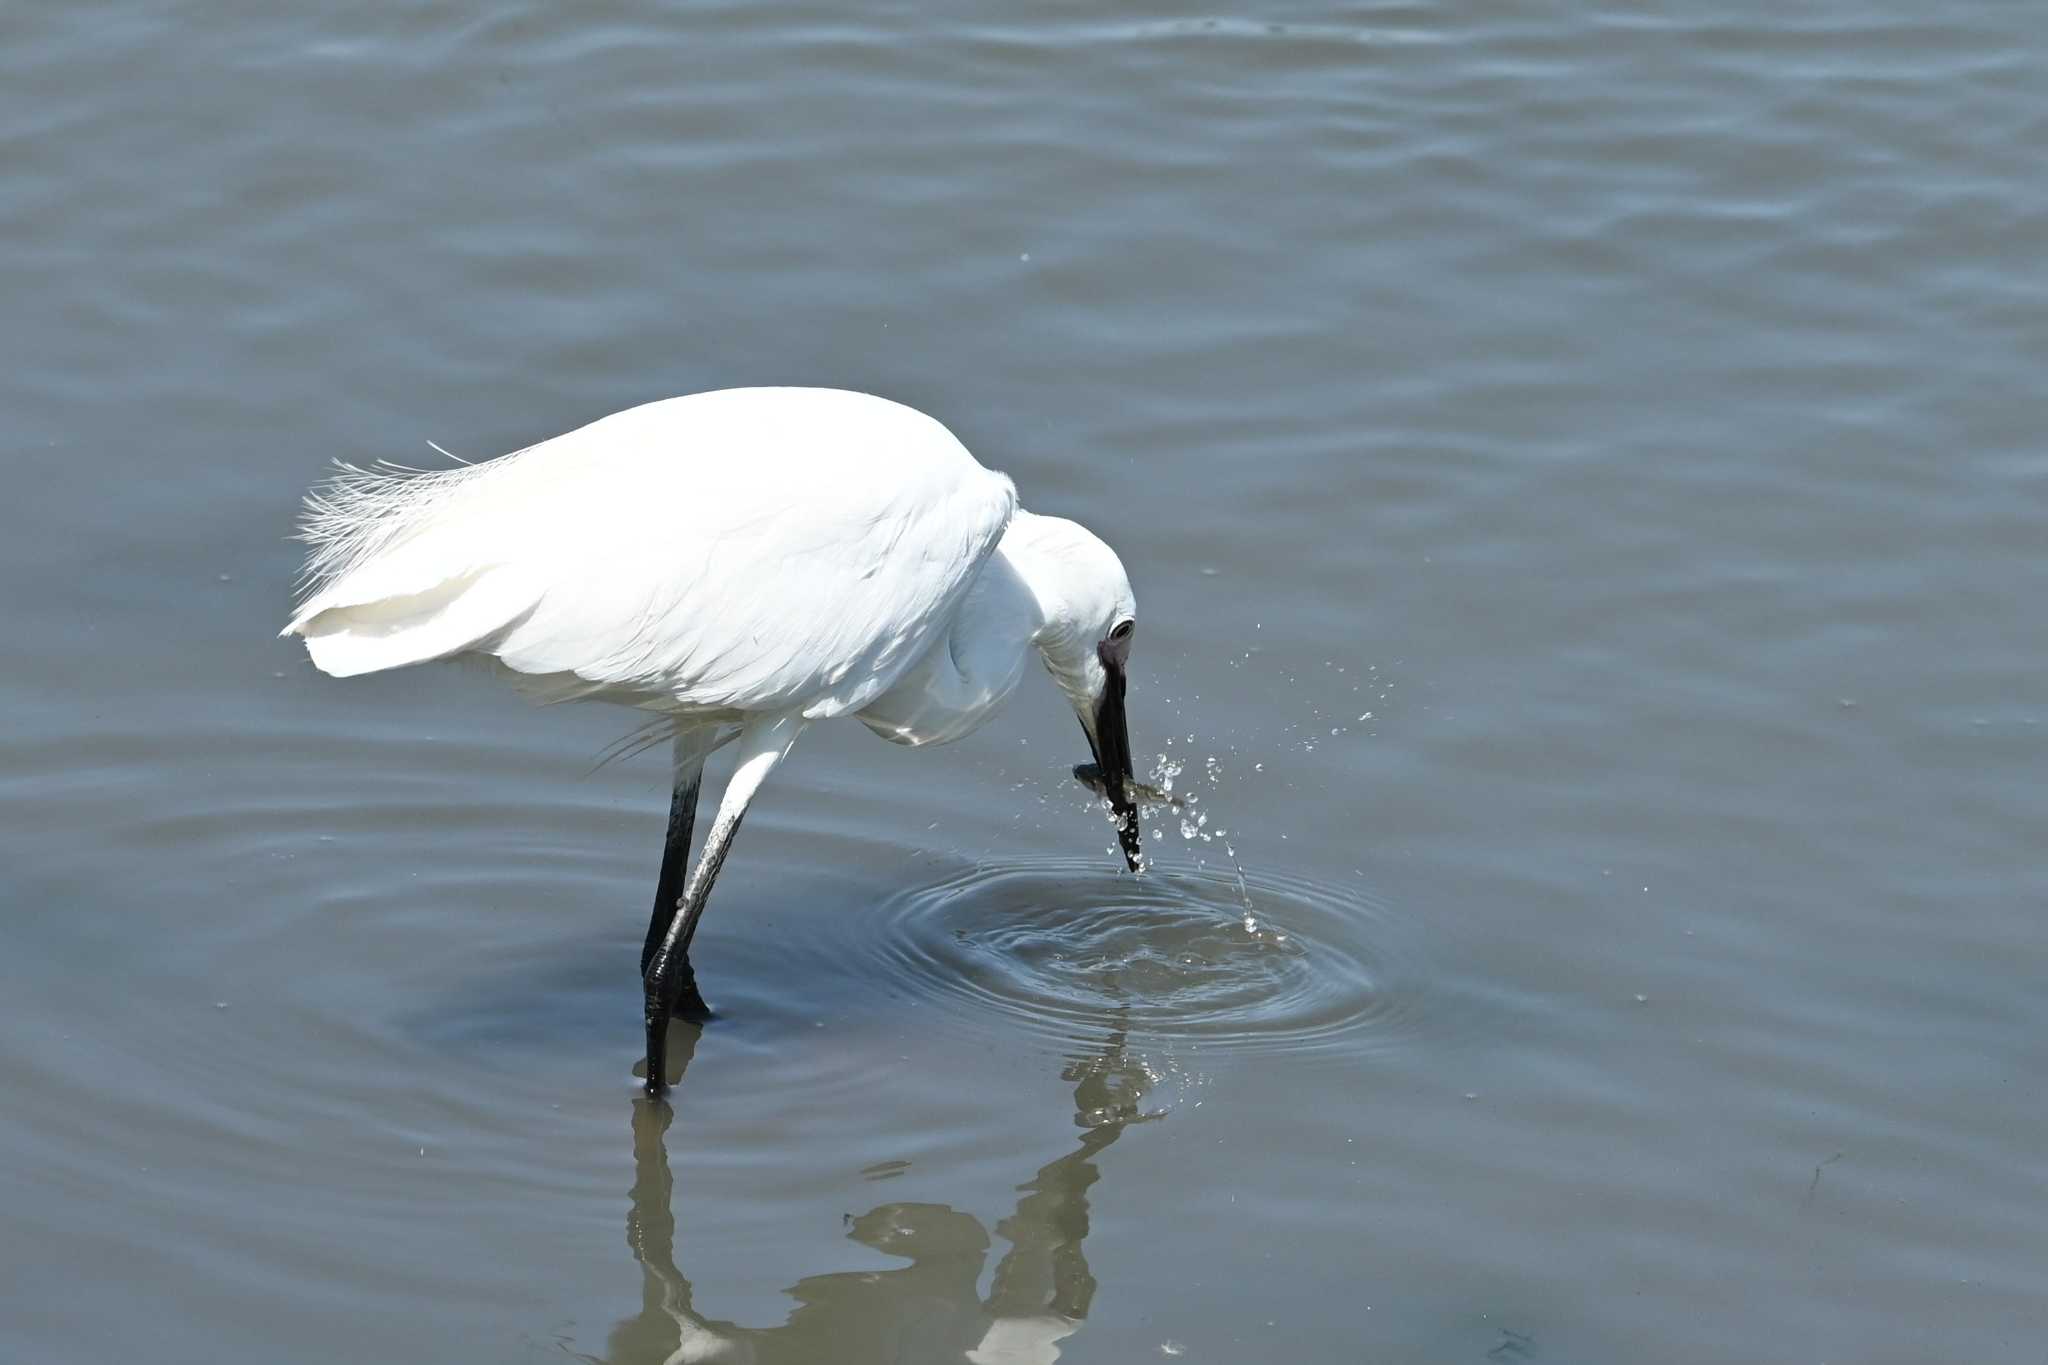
(749, 550)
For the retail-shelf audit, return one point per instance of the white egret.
(741, 563)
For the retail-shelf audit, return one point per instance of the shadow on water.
(929, 1310)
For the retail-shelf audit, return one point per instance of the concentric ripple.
(1187, 955)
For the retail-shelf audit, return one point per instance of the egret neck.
(974, 665)
(1052, 586)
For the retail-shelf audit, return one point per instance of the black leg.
(668, 979)
(675, 863)
(763, 742)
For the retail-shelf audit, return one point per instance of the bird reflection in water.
(929, 1310)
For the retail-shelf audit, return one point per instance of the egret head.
(1089, 615)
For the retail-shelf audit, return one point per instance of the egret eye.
(1123, 630)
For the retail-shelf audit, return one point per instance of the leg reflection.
(928, 1310)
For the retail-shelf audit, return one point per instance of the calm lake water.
(1583, 471)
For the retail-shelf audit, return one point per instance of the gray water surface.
(1583, 472)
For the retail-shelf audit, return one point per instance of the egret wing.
(745, 550)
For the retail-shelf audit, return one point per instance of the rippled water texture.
(1190, 958)
(1582, 473)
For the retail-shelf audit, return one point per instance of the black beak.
(1111, 742)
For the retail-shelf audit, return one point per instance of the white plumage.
(744, 550)
(743, 562)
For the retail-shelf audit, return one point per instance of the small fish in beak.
(1144, 793)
